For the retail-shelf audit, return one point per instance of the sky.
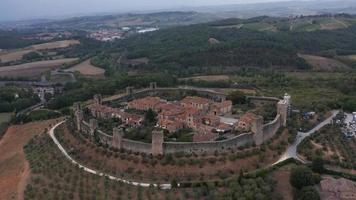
(30, 9)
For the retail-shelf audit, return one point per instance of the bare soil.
(283, 187)
(14, 169)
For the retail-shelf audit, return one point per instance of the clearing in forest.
(323, 64)
(87, 69)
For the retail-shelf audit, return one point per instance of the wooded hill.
(209, 48)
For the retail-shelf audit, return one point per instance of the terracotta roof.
(196, 100)
(248, 117)
(222, 104)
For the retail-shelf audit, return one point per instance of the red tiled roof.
(195, 100)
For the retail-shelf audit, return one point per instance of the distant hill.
(259, 42)
(161, 19)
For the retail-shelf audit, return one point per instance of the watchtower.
(283, 108)
(129, 90)
(98, 99)
(117, 137)
(153, 85)
(93, 125)
(157, 142)
(78, 114)
(257, 130)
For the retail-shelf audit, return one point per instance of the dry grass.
(5, 117)
(323, 64)
(55, 45)
(87, 69)
(14, 170)
(207, 78)
(13, 55)
(17, 54)
(33, 68)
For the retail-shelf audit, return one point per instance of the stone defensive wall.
(259, 132)
(154, 91)
(271, 128)
(173, 147)
(208, 147)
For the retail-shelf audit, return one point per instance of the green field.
(5, 117)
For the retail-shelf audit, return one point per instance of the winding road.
(291, 152)
(64, 152)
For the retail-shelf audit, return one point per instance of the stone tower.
(93, 125)
(129, 90)
(78, 114)
(153, 85)
(257, 130)
(157, 143)
(283, 109)
(98, 99)
(117, 137)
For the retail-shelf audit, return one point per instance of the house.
(106, 112)
(221, 108)
(144, 103)
(196, 102)
(245, 121)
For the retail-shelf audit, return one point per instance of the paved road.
(64, 152)
(291, 152)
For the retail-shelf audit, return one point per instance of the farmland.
(87, 69)
(207, 78)
(324, 64)
(17, 54)
(330, 144)
(14, 169)
(179, 167)
(33, 68)
(54, 177)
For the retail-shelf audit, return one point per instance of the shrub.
(301, 176)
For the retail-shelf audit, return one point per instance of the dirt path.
(14, 169)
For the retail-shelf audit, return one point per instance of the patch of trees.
(13, 40)
(15, 99)
(38, 115)
(303, 179)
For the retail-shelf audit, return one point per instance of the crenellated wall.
(208, 147)
(136, 146)
(270, 129)
(259, 132)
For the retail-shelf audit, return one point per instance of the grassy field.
(16, 54)
(207, 78)
(324, 64)
(55, 45)
(5, 117)
(87, 69)
(33, 68)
